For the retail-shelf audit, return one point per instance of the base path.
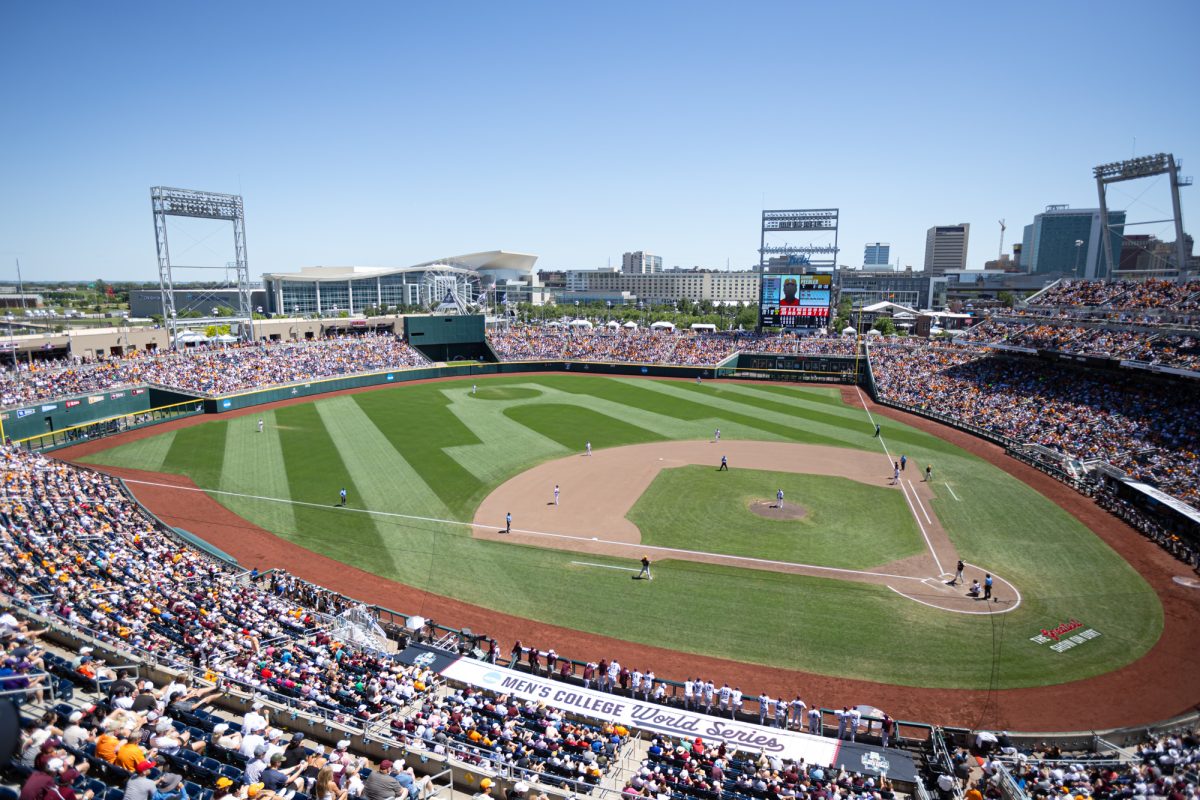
(1135, 694)
(597, 491)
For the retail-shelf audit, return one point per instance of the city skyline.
(390, 135)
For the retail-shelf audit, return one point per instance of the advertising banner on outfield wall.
(667, 720)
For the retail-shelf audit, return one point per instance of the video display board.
(795, 301)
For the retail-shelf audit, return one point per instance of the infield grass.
(846, 524)
(435, 450)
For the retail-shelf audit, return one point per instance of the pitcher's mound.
(766, 508)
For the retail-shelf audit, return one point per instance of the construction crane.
(1003, 228)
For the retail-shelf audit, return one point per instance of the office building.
(1067, 241)
(640, 263)
(878, 254)
(717, 286)
(946, 247)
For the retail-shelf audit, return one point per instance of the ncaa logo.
(492, 677)
(874, 762)
(425, 660)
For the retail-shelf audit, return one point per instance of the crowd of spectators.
(143, 742)
(527, 737)
(1162, 766)
(1123, 295)
(211, 370)
(708, 770)
(535, 343)
(1141, 426)
(1153, 346)
(78, 549)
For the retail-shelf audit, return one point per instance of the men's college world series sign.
(667, 720)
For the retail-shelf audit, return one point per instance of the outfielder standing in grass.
(342, 496)
(645, 573)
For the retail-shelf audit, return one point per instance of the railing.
(110, 426)
(941, 757)
(1008, 785)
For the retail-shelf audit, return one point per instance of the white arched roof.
(471, 263)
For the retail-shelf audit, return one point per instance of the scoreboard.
(795, 301)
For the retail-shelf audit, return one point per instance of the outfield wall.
(74, 411)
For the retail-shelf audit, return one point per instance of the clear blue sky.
(394, 133)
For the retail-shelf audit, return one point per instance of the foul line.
(648, 547)
(909, 500)
(604, 566)
(886, 452)
(932, 552)
(919, 503)
(952, 494)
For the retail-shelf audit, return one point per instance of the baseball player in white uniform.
(556, 494)
(587, 448)
(260, 425)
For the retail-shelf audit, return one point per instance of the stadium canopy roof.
(489, 261)
(884, 305)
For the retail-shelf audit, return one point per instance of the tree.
(885, 326)
(844, 307)
(1006, 298)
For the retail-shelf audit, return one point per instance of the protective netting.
(359, 626)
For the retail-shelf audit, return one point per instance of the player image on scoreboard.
(795, 301)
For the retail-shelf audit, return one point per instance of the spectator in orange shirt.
(130, 755)
(107, 744)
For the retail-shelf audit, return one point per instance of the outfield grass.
(847, 524)
(434, 450)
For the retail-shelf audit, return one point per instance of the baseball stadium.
(896, 558)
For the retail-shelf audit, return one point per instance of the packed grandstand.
(220, 369)
(1152, 322)
(209, 370)
(79, 554)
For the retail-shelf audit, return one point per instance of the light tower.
(168, 202)
(1133, 169)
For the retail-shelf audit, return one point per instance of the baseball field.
(848, 578)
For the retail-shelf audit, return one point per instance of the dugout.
(449, 338)
(1170, 512)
